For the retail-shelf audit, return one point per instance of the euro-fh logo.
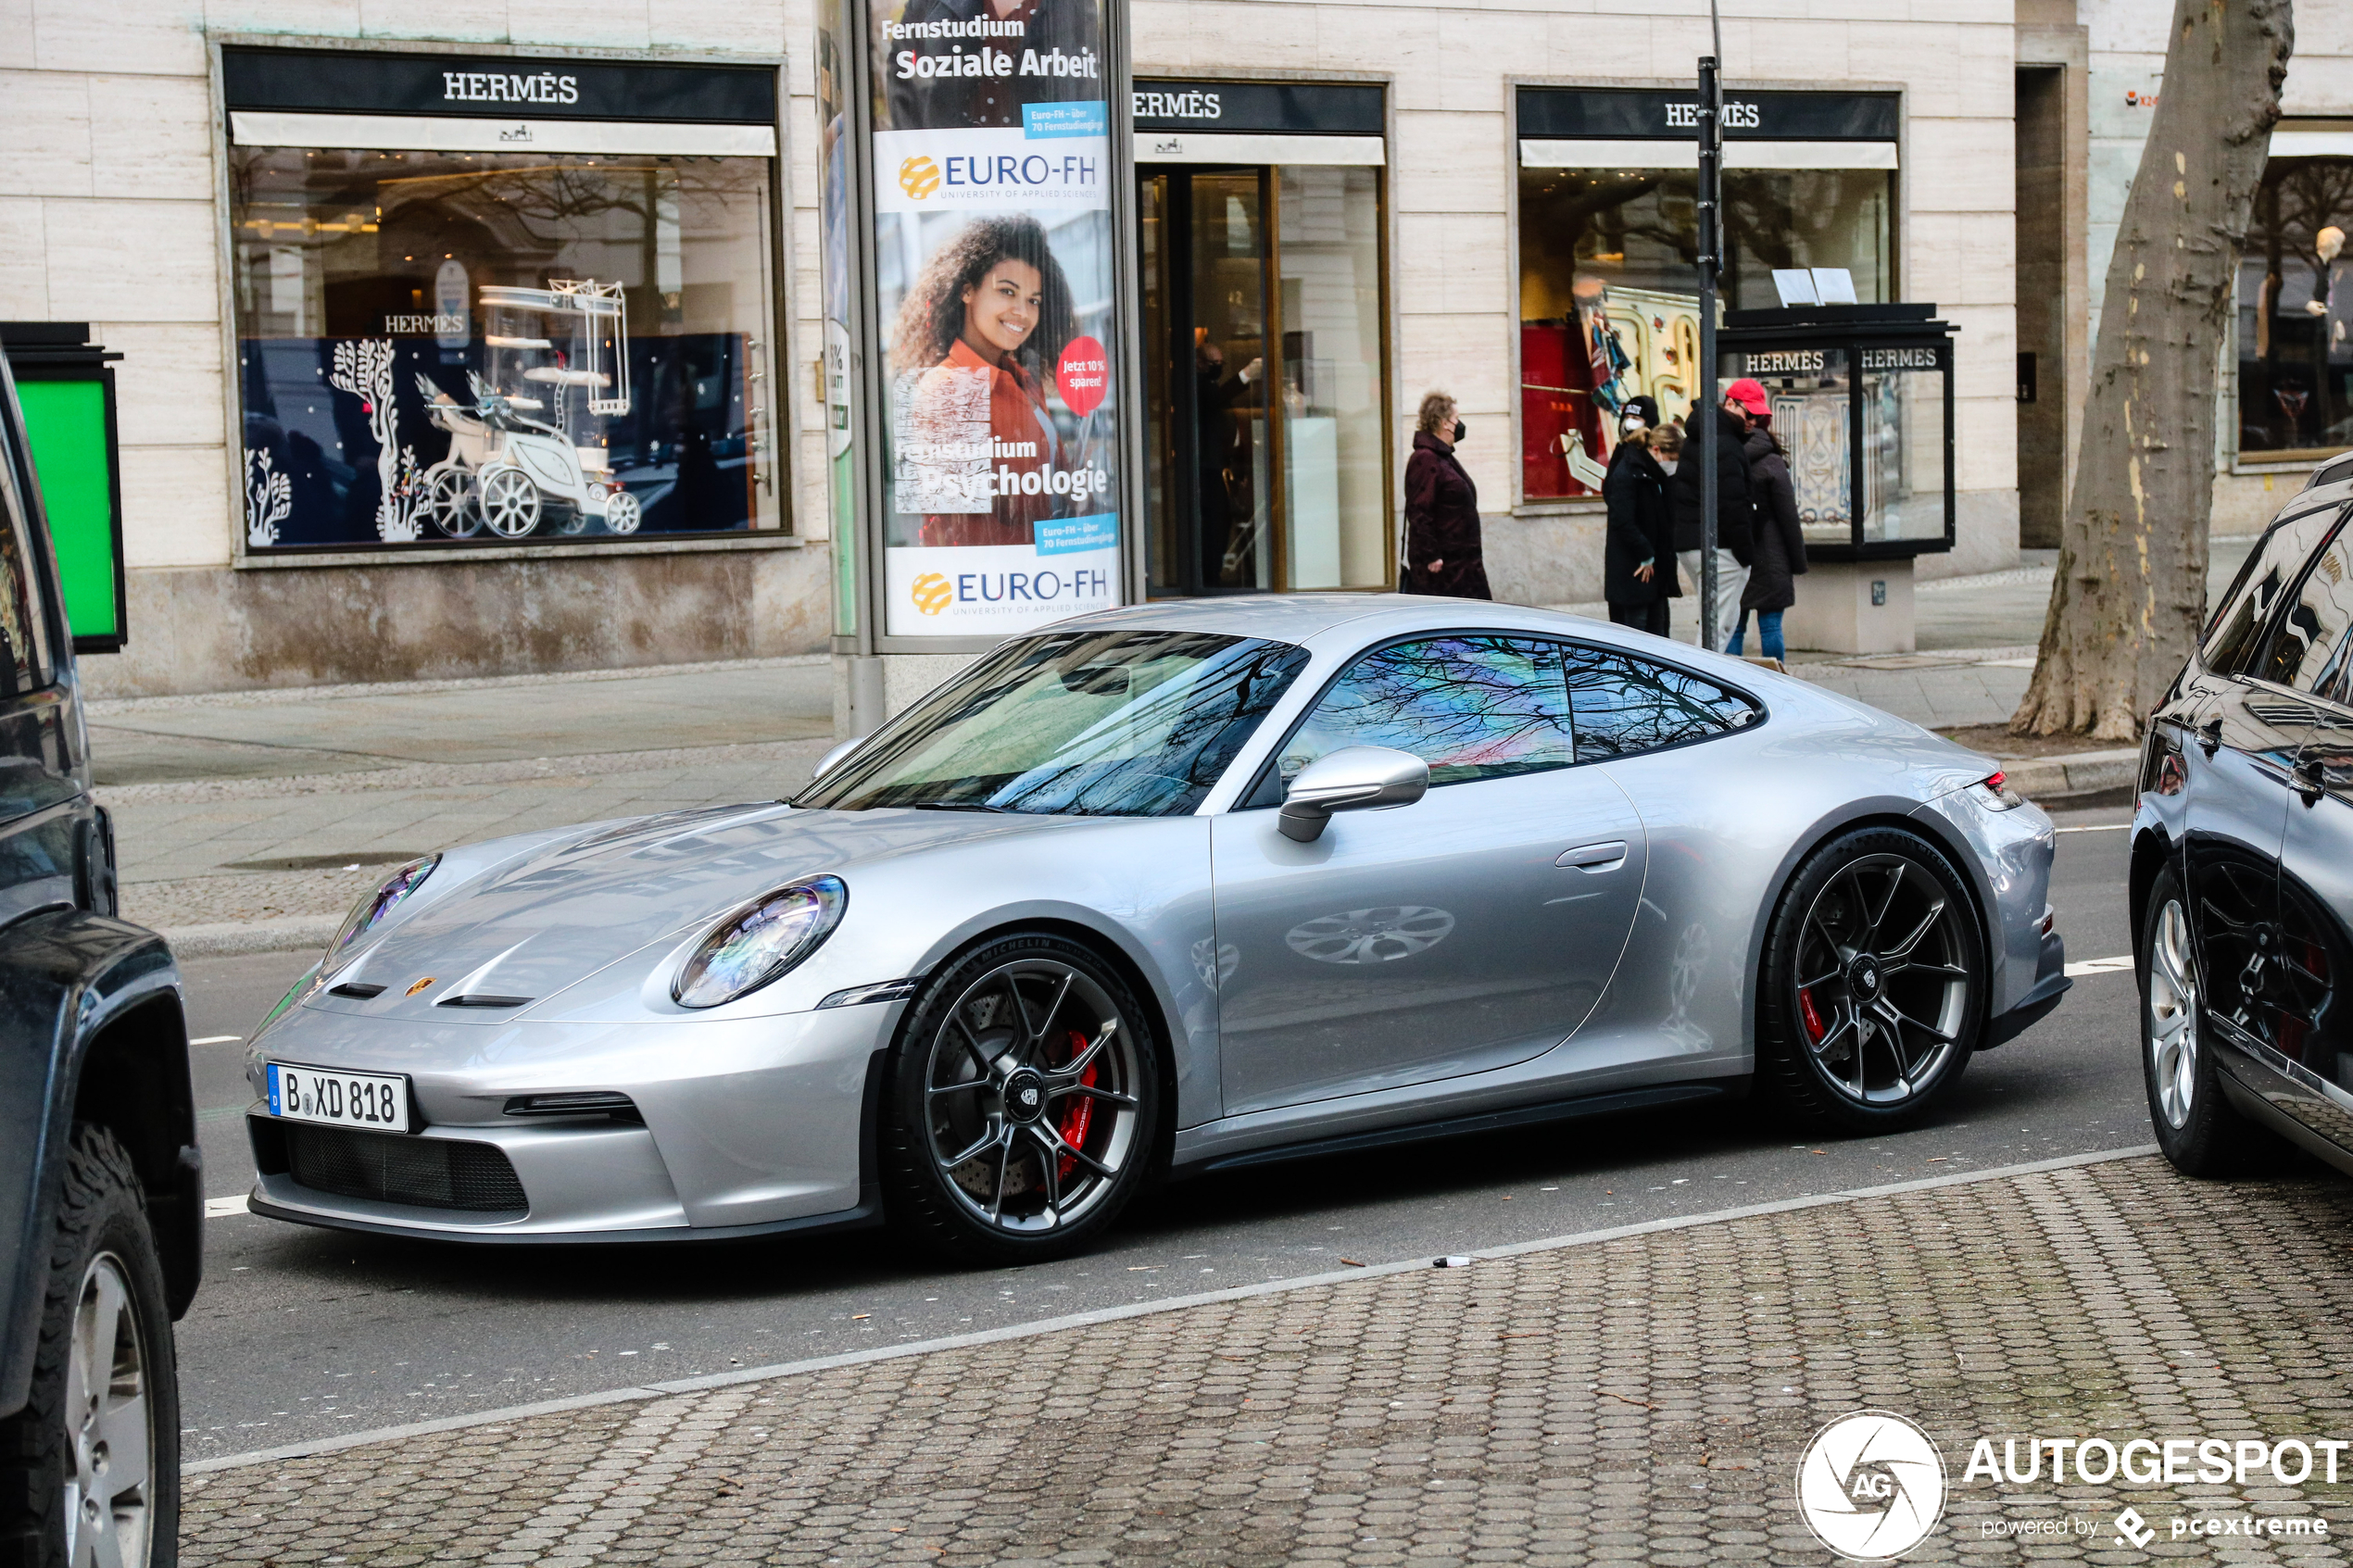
(1870, 1486)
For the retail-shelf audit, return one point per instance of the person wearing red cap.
(1735, 510)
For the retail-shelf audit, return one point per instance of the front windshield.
(1126, 723)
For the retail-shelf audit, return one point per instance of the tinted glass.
(2236, 630)
(24, 642)
(1105, 724)
(1622, 705)
(1471, 707)
(2309, 649)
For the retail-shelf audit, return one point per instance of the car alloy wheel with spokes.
(2171, 1015)
(109, 1424)
(1023, 1103)
(1874, 981)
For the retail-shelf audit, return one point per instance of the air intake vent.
(577, 1102)
(357, 990)
(390, 1168)
(480, 999)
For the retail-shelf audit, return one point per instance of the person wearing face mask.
(1637, 556)
(992, 304)
(1442, 550)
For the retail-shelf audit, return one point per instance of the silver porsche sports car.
(1159, 891)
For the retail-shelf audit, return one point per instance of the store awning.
(450, 134)
(1653, 154)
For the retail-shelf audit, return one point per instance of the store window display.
(2296, 364)
(488, 348)
(1608, 306)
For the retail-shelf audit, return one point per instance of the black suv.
(101, 1183)
(2241, 879)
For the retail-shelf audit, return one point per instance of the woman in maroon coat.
(1443, 554)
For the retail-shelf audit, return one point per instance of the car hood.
(541, 920)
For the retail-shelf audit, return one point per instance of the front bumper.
(750, 1127)
(2051, 985)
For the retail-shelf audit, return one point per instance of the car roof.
(1301, 617)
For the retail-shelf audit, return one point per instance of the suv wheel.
(95, 1456)
(2197, 1127)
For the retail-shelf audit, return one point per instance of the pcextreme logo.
(932, 593)
(1870, 1486)
(919, 177)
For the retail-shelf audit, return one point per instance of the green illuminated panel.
(66, 424)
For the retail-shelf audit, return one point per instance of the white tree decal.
(268, 500)
(363, 367)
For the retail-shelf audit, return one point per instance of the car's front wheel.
(2197, 1127)
(1874, 982)
(93, 1461)
(1023, 1099)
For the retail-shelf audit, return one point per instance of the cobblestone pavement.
(1635, 1399)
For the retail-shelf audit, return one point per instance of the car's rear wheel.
(1023, 1100)
(92, 1464)
(1874, 982)
(2197, 1127)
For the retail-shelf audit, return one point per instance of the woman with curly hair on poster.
(973, 342)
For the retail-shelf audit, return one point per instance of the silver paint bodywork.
(1412, 965)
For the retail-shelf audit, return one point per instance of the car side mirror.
(1355, 778)
(837, 754)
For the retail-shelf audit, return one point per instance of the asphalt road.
(300, 1334)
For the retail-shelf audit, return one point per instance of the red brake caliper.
(1811, 1016)
(1080, 1113)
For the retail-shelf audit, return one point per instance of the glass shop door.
(1266, 467)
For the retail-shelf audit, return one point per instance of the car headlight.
(760, 941)
(370, 912)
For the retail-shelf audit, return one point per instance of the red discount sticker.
(1084, 375)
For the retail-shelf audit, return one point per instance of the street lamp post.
(1711, 255)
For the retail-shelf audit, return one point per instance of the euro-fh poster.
(993, 259)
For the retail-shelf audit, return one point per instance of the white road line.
(2096, 827)
(221, 1208)
(1137, 1310)
(233, 1039)
(2100, 966)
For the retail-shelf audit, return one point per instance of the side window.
(2233, 636)
(24, 643)
(1622, 705)
(1471, 707)
(2309, 649)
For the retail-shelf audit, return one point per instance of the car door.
(2309, 1050)
(40, 820)
(1471, 930)
(2238, 739)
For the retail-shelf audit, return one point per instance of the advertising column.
(992, 180)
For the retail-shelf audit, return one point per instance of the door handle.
(2210, 736)
(1590, 858)
(2306, 779)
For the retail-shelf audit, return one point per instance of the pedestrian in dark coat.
(1637, 556)
(1743, 401)
(1442, 550)
(1777, 554)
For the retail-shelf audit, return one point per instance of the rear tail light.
(1996, 793)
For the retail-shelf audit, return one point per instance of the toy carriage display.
(531, 451)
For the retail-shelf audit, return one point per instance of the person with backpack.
(1638, 555)
(1777, 554)
(1744, 402)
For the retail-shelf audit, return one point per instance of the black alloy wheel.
(1874, 983)
(1024, 1103)
(91, 1466)
(2197, 1127)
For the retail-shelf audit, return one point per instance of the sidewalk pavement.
(252, 820)
(1632, 1396)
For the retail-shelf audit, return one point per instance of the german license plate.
(375, 1100)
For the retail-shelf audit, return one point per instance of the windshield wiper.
(960, 805)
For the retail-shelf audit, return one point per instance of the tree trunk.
(2130, 593)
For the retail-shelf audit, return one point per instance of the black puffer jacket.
(1641, 529)
(1733, 509)
(1779, 552)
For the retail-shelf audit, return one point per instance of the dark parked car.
(101, 1185)
(2242, 878)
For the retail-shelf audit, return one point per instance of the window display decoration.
(2294, 361)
